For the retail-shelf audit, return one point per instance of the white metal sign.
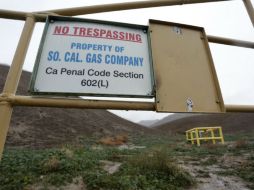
(93, 57)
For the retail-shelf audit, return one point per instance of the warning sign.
(88, 57)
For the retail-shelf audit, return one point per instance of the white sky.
(234, 66)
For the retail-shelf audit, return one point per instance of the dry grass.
(52, 164)
(115, 140)
(68, 152)
(241, 144)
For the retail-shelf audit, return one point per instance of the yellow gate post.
(212, 134)
(197, 137)
(13, 77)
(192, 141)
(221, 135)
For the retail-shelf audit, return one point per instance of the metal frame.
(249, 9)
(8, 99)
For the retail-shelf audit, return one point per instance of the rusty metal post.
(13, 77)
(250, 10)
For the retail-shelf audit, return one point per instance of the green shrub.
(150, 170)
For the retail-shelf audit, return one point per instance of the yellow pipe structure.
(12, 79)
(250, 10)
(204, 134)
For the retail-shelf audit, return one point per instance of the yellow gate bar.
(41, 15)
(16, 15)
(230, 41)
(93, 104)
(77, 103)
(124, 6)
(239, 108)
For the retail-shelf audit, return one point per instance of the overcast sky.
(234, 66)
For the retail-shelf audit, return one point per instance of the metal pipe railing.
(13, 77)
(15, 71)
(76, 103)
(15, 15)
(96, 104)
(124, 6)
(239, 108)
(250, 10)
(41, 15)
(230, 41)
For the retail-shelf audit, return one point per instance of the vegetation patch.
(203, 174)
(209, 161)
(153, 167)
(246, 171)
(149, 170)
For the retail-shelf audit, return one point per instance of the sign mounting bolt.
(189, 104)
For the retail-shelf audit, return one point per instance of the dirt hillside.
(47, 127)
(231, 123)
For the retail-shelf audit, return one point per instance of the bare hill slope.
(231, 123)
(46, 127)
(172, 117)
(148, 123)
